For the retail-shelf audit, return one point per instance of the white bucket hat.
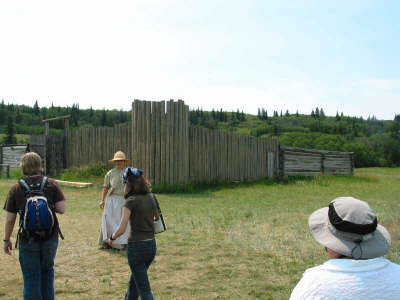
(350, 227)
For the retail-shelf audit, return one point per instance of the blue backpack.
(37, 219)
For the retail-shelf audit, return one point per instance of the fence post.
(282, 163)
(1, 158)
(270, 164)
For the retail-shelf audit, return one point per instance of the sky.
(339, 55)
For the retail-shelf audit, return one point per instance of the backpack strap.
(25, 186)
(43, 184)
(42, 187)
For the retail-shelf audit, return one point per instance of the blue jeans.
(37, 265)
(140, 256)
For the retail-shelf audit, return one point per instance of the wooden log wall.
(11, 155)
(310, 162)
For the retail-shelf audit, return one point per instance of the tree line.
(24, 119)
(374, 142)
(211, 119)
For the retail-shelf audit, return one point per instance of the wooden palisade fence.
(161, 141)
(221, 156)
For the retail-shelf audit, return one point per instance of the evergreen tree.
(337, 116)
(238, 115)
(10, 131)
(287, 113)
(91, 113)
(3, 113)
(121, 116)
(265, 115)
(213, 116)
(322, 113)
(395, 129)
(312, 114)
(36, 109)
(103, 120)
(297, 113)
(317, 112)
(259, 114)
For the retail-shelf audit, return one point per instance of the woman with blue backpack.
(36, 199)
(141, 209)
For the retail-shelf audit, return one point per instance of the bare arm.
(103, 197)
(8, 229)
(126, 214)
(60, 207)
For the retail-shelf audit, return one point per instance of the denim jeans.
(37, 265)
(140, 256)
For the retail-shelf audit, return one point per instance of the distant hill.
(374, 142)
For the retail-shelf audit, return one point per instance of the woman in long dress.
(112, 202)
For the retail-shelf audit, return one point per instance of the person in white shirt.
(356, 243)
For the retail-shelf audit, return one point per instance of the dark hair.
(136, 185)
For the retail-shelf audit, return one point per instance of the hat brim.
(114, 160)
(376, 246)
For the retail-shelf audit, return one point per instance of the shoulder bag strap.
(156, 202)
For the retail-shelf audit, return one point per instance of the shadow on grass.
(114, 251)
(205, 189)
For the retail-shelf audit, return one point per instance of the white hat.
(350, 227)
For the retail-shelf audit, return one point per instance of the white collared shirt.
(348, 279)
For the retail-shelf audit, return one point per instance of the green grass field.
(247, 242)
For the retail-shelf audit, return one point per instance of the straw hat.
(119, 156)
(350, 227)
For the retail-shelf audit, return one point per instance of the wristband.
(111, 239)
(6, 241)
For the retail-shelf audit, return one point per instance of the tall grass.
(238, 242)
(94, 172)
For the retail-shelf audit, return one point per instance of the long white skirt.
(111, 219)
